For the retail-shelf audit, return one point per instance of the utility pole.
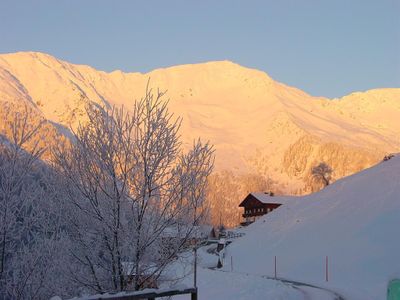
(195, 268)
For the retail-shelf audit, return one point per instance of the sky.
(326, 48)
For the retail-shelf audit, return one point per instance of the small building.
(258, 204)
(148, 279)
(217, 232)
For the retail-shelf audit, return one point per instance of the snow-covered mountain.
(355, 222)
(258, 125)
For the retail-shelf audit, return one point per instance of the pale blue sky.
(327, 48)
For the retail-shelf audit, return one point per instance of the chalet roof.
(267, 198)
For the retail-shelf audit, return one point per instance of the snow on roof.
(267, 198)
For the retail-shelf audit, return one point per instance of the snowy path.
(309, 289)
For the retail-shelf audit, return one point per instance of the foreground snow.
(220, 285)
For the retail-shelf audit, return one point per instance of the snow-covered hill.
(355, 222)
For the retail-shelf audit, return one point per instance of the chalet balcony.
(254, 214)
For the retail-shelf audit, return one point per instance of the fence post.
(275, 265)
(326, 269)
(194, 295)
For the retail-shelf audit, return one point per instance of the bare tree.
(132, 193)
(322, 173)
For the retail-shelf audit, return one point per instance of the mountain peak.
(217, 65)
(32, 55)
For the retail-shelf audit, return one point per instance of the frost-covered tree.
(28, 222)
(134, 198)
(322, 173)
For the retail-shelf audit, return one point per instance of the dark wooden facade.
(255, 208)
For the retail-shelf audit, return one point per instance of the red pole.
(275, 266)
(326, 269)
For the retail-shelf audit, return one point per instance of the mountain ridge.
(38, 54)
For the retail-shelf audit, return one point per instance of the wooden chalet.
(258, 204)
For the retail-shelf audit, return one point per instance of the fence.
(149, 295)
(275, 266)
